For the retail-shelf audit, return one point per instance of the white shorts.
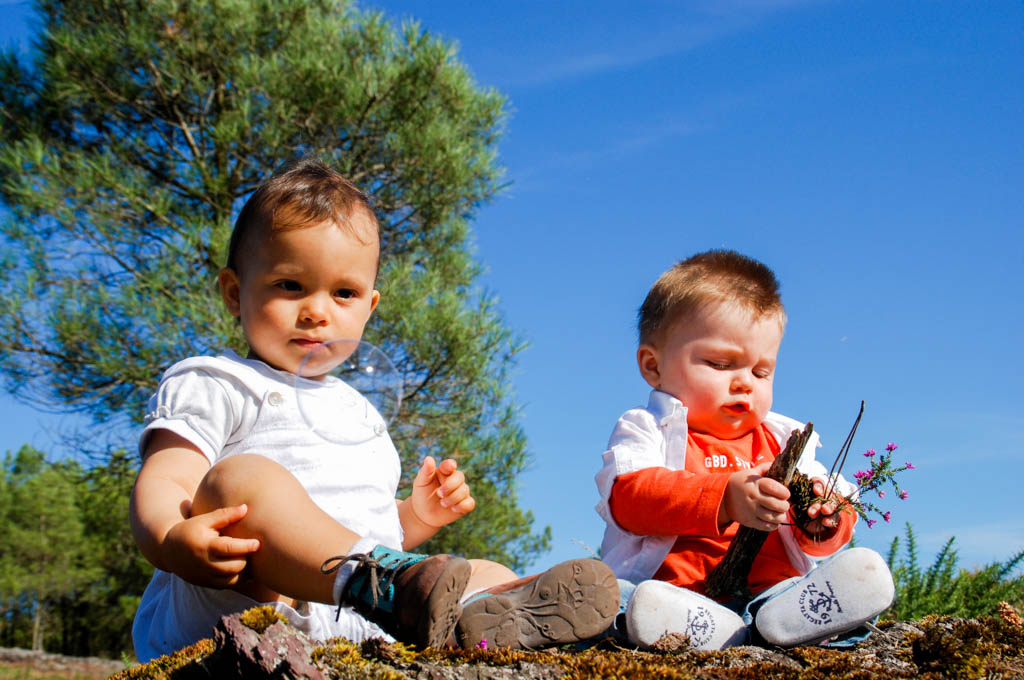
(174, 614)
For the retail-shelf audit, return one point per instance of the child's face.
(298, 289)
(720, 362)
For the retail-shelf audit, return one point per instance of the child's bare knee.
(242, 478)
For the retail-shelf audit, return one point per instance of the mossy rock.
(935, 647)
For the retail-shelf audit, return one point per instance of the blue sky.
(870, 152)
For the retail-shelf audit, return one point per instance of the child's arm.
(172, 540)
(754, 500)
(439, 496)
(657, 501)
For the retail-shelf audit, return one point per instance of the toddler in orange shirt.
(683, 474)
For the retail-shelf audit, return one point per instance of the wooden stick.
(729, 578)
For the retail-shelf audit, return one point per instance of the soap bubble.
(348, 391)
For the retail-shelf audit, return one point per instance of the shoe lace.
(380, 576)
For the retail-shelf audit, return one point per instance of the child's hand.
(196, 551)
(440, 494)
(754, 500)
(824, 516)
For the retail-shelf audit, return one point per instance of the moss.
(936, 647)
(339, 651)
(393, 653)
(967, 648)
(488, 657)
(183, 664)
(261, 618)
(348, 661)
(801, 496)
(836, 663)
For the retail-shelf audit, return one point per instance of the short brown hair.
(705, 278)
(302, 194)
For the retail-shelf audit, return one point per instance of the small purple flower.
(887, 516)
(482, 644)
(903, 495)
(869, 453)
(881, 494)
(891, 447)
(871, 523)
(862, 475)
(910, 466)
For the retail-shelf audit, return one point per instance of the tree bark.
(729, 578)
(37, 628)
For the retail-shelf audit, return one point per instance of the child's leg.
(295, 535)
(658, 608)
(486, 574)
(843, 592)
(305, 554)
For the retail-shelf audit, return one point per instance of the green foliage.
(944, 589)
(69, 576)
(132, 133)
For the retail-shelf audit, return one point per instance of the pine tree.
(43, 556)
(129, 137)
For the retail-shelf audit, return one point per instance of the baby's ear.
(230, 290)
(648, 358)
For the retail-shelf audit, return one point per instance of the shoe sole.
(853, 587)
(569, 602)
(443, 606)
(657, 608)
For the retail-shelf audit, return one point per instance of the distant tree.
(70, 576)
(129, 138)
(42, 554)
(99, 616)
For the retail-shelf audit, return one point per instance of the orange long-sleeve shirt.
(685, 503)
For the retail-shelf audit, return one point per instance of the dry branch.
(729, 578)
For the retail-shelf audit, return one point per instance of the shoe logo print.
(700, 626)
(818, 604)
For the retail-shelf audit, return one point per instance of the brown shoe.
(414, 598)
(569, 602)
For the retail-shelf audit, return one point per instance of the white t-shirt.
(228, 405)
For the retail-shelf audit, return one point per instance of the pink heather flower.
(910, 466)
(869, 453)
(887, 516)
(903, 495)
(891, 447)
(872, 522)
(482, 644)
(862, 474)
(881, 494)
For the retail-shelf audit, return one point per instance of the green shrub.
(945, 589)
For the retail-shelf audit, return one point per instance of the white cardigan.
(656, 437)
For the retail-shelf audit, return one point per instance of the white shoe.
(657, 608)
(839, 595)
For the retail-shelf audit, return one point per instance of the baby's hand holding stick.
(730, 576)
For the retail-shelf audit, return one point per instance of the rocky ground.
(257, 645)
(22, 663)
